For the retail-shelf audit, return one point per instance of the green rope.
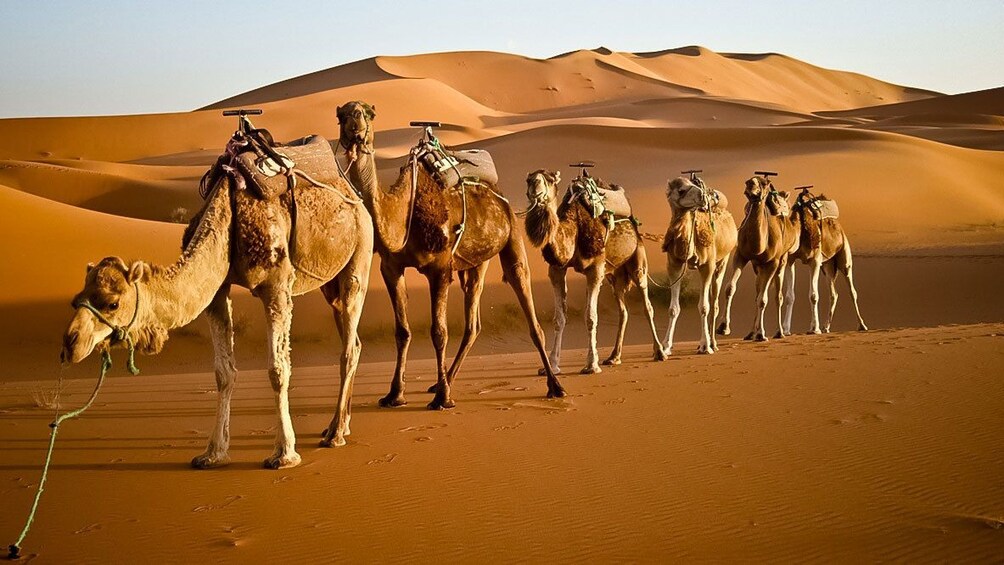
(106, 364)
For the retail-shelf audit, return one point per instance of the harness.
(119, 333)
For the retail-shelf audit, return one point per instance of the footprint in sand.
(385, 459)
(494, 387)
(422, 428)
(226, 502)
(507, 427)
(88, 528)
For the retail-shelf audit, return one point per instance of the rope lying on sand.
(106, 364)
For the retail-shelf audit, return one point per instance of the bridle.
(119, 333)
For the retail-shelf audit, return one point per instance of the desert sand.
(882, 445)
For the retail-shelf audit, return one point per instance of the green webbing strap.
(106, 364)
(119, 334)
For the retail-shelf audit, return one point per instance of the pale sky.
(64, 58)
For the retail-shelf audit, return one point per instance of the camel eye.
(113, 306)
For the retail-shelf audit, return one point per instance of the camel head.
(684, 195)
(760, 189)
(541, 193)
(105, 310)
(355, 124)
(542, 187)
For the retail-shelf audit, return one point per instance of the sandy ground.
(845, 447)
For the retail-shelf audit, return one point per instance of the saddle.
(599, 200)
(819, 208)
(268, 172)
(453, 168)
(713, 199)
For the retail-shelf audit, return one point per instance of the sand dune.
(876, 446)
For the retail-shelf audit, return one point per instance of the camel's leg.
(789, 295)
(706, 271)
(716, 289)
(278, 302)
(778, 285)
(764, 275)
(846, 266)
(393, 278)
(620, 284)
(221, 328)
(639, 272)
(439, 286)
(736, 267)
(817, 265)
(594, 280)
(473, 283)
(676, 272)
(830, 270)
(516, 272)
(560, 288)
(348, 292)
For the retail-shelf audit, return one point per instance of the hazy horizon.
(70, 59)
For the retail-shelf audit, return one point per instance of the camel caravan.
(284, 219)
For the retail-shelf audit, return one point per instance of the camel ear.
(90, 267)
(139, 271)
(557, 177)
(338, 112)
(371, 111)
(784, 194)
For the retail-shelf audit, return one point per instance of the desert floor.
(852, 446)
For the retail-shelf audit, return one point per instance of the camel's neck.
(754, 229)
(177, 294)
(389, 208)
(556, 236)
(681, 233)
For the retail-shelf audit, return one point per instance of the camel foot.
(816, 331)
(542, 372)
(337, 441)
(779, 335)
(325, 432)
(441, 404)
(705, 350)
(760, 337)
(590, 370)
(612, 361)
(787, 333)
(660, 355)
(392, 401)
(291, 459)
(862, 328)
(723, 329)
(749, 337)
(433, 388)
(826, 330)
(556, 391)
(207, 461)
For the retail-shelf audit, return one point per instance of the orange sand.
(877, 446)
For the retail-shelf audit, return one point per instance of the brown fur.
(591, 232)
(431, 210)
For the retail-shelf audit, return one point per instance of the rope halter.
(119, 333)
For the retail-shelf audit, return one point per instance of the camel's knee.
(439, 334)
(279, 379)
(402, 335)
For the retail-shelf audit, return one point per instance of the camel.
(824, 246)
(240, 239)
(571, 238)
(702, 236)
(766, 236)
(409, 219)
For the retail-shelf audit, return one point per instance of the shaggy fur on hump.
(431, 213)
(591, 233)
(811, 226)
